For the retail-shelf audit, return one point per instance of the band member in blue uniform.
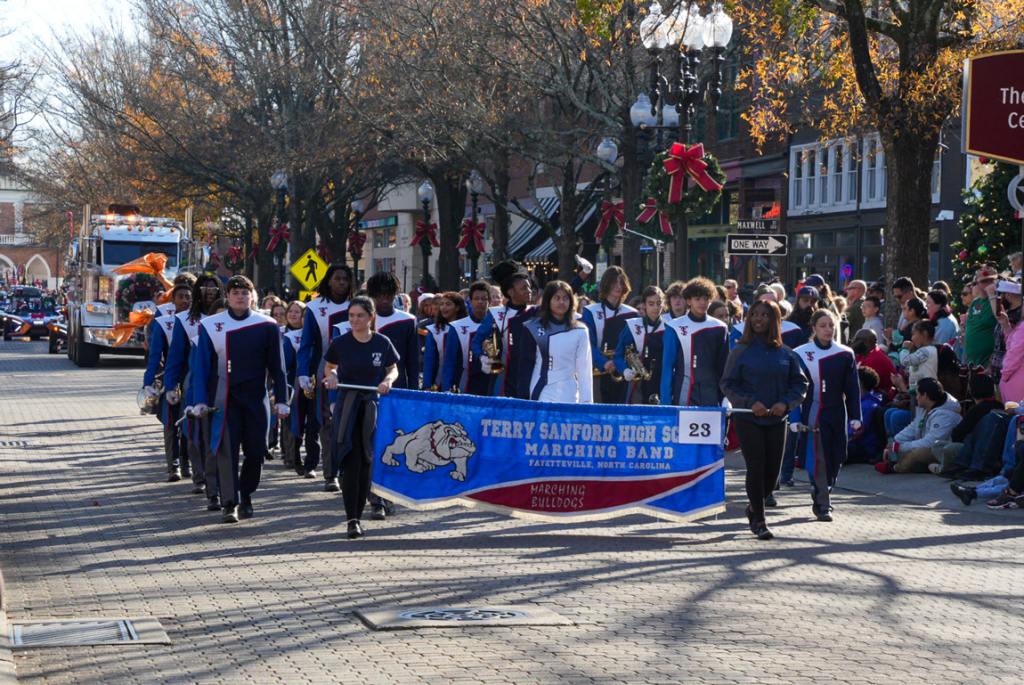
(764, 376)
(646, 336)
(696, 347)
(159, 336)
(555, 359)
(505, 324)
(358, 357)
(293, 429)
(830, 410)
(450, 306)
(237, 350)
(605, 321)
(327, 309)
(206, 293)
(457, 371)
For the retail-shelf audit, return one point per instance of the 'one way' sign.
(768, 245)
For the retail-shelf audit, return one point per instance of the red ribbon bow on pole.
(356, 240)
(650, 211)
(277, 234)
(471, 232)
(610, 211)
(425, 231)
(685, 161)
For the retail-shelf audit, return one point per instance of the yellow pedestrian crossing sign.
(309, 269)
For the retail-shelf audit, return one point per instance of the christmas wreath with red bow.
(136, 287)
(663, 186)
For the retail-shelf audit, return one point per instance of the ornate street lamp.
(683, 35)
(279, 233)
(472, 232)
(426, 232)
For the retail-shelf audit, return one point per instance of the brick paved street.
(890, 592)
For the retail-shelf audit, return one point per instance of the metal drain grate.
(460, 617)
(100, 631)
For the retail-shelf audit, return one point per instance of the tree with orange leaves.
(890, 65)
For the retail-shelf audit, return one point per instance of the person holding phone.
(360, 357)
(766, 377)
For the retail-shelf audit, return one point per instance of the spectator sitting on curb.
(1004, 490)
(866, 442)
(938, 413)
(982, 392)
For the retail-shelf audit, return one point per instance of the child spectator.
(919, 355)
(873, 322)
(865, 346)
(866, 442)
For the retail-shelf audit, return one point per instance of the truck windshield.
(119, 252)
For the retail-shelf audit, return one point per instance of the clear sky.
(26, 21)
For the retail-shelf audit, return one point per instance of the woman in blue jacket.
(764, 376)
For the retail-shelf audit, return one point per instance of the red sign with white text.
(993, 106)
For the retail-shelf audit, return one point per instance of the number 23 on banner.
(700, 427)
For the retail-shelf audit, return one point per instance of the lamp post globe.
(608, 151)
(717, 27)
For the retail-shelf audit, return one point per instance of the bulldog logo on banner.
(549, 461)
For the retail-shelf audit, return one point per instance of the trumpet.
(492, 349)
(608, 354)
(310, 392)
(641, 373)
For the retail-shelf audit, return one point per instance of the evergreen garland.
(989, 230)
(696, 201)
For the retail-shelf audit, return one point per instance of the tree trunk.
(502, 219)
(909, 160)
(630, 186)
(450, 195)
(567, 243)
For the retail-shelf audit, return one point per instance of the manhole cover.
(99, 631)
(459, 617)
(462, 614)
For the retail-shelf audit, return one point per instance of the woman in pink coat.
(1011, 385)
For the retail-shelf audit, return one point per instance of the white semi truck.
(98, 298)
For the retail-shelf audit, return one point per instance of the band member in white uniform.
(554, 358)
(457, 371)
(323, 313)
(646, 335)
(605, 321)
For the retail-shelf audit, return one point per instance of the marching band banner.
(551, 461)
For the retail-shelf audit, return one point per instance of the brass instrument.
(608, 354)
(310, 392)
(654, 399)
(637, 364)
(492, 349)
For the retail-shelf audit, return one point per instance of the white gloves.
(304, 382)
(585, 266)
(200, 410)
(150, 391)
(855, 425)
(282, 410)
(485, 363)
(172, 397)
(628, 375)
(796, 427)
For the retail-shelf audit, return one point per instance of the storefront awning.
(529, 229)
(547, 248)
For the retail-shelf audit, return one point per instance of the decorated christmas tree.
(990, 230)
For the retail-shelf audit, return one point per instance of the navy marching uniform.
(694, 361)
(455, 369)
(322, 315)
(648, 339)
(433, 356)
(292, 429)
(554, 362)
(507, 321)
(605, 324)
(792, 335)
(178, 372)
(175, 444)
(234, 357)
(400, 328)
(833, 401)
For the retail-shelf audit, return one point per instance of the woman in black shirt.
(359, 357)
(764, 376)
